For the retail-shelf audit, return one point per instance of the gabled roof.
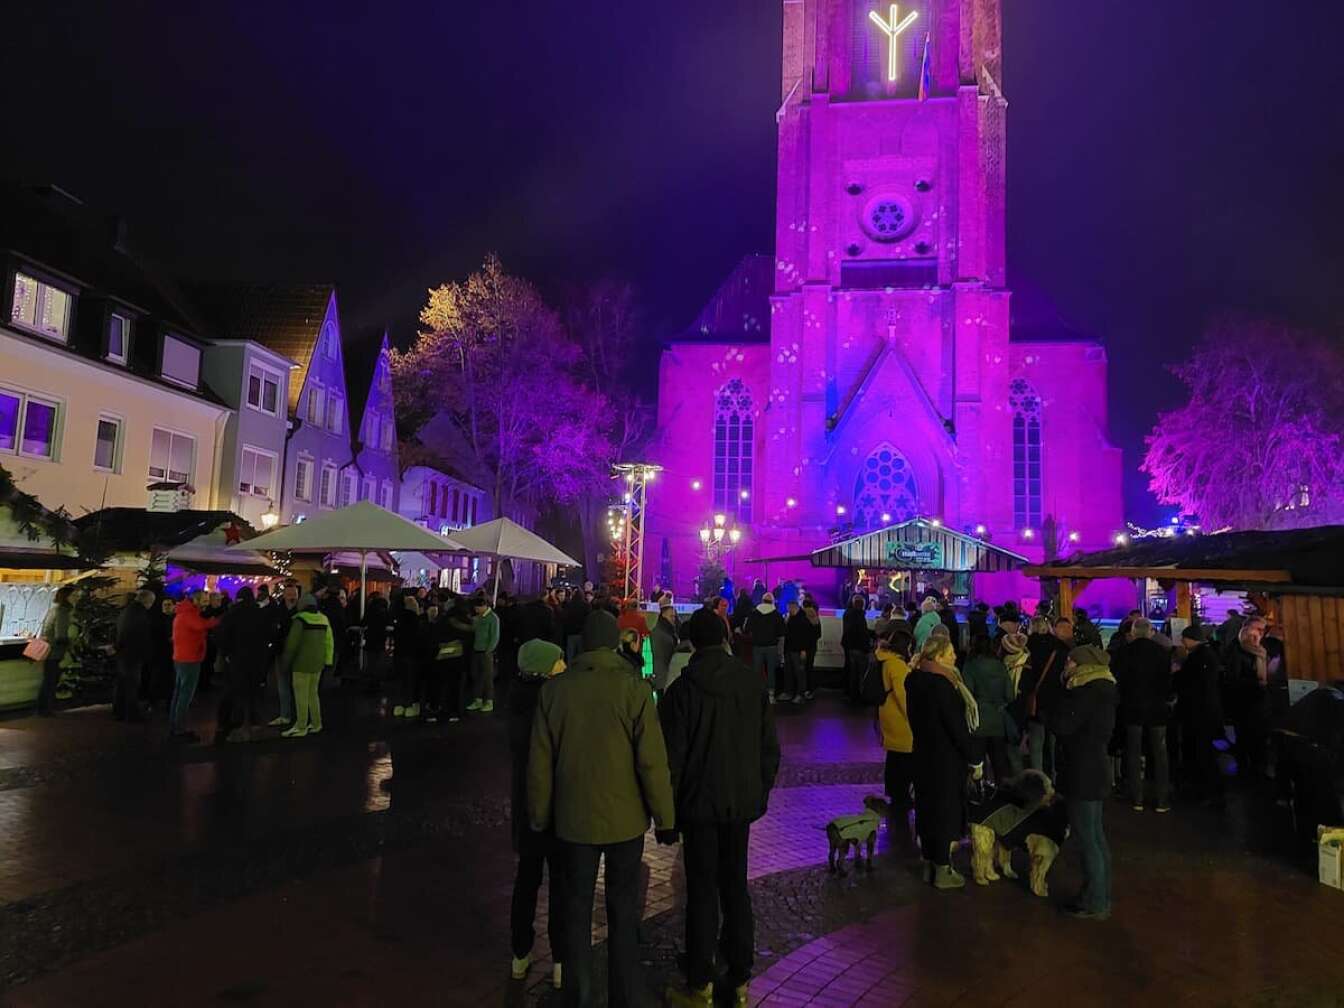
(918, 544)
(360, 357)
(285, 318)
(739, 311)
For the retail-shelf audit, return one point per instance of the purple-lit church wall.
(889, 386)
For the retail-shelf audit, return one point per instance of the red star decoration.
(232, 534)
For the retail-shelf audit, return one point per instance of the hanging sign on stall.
(915, 555)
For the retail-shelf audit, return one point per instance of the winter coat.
(1040, 669)
(189, 632)
(764, 625)
(281, 616)
(977, 623)
(335, 614)
(533, 621)
(135, 633)
(942, 752)
(1083, 721)
(854, 633)
(1242, 689)
(56, 630)
(949, 620)
(243, 636)
(893, 716)
(757, 594)
(597, 764)
(1142, 668)
(992, 686)
(1198, 684)
(1086, 632)
(925, 627)
(406, 646)
(722, 750)
(523, 694)
(485, 632)
(664, 645)
(574, 613)
(309, 648)
(375, 624)
(799, 634)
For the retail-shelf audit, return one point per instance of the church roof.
(739, 311)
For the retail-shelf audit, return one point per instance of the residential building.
(101, 390)
(368, 378)
(299, 323)
(441, 502)
(254, 381)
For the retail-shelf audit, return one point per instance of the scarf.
(950, 673)
(1085, 674)
(1015, 663)
(1261, 661)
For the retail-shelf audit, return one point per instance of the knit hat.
(308, 602)
(705, 628)
(538, 657)
(1089, 654)
(600, 631)
(1015, 643)
(1193, 633)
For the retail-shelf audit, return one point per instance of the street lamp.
(719, 536)
(270, 518)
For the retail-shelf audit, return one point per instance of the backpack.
(872, 689)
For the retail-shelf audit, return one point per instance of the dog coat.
(1012, 823)
(855, 827)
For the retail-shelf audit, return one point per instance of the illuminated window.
(263, 389)
(1026, 406)
(303, 480)
(335, 413)
(107, 444)
(327, 491)
(734, 438)
(39, 307)
(172, 456)
(884, 491)
(256, 473)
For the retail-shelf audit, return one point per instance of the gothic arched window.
(734, 434)
(885, 491)
(1026, 407)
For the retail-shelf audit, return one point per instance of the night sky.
(1167, 162)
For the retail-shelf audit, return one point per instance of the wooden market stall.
(1296, 577)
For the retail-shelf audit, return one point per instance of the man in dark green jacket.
(724, 756)
(596, 773)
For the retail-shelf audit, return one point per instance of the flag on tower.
(925, 71)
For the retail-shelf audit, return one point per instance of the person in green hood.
(309, 649)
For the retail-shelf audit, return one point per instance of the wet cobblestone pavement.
(372, 867)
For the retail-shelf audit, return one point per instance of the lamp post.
(719, 536)
(270, 518)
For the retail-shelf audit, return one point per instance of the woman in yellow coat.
(893, 723)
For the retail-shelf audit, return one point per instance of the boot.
(947, 877)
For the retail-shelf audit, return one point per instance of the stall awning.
(918, 544)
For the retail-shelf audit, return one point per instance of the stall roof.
(134, 530)
(1311, 558)
(918, 544)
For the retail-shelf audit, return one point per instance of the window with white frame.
(263, 389)
(256, 473)
(28, 424)
(41, 308)
(118, 338)
(172, 456)
(317, 403)
(385, 495)
(181, 362)
(327, 492)
(303, 479)
(329, 341)
(367, 488)
(335, 413)
(348, 481)
(107, 444)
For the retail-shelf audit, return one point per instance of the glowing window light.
(892, 30)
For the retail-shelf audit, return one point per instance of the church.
(866, 374)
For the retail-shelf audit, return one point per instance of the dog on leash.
(854, 831)
(1021, 814)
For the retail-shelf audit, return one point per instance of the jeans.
(796, 667)
(483, 675)
(536, 850)
(188, 673)
(764, 659)
(898, 778)
(306, 699)
(1085, 823)
(1157, 754)
(579, 868)
(716, 876)
(284, 690)
(126, 695)
(237, 707)
(1040, 748)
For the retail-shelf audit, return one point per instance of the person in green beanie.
(1083, 719)
(538, 661)
(309, 649)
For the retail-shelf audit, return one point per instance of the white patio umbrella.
(362, 528)
(505, 538)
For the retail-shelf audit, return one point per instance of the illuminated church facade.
(865, 373)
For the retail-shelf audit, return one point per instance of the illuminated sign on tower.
(893, 29)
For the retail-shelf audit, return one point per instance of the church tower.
(889, 324)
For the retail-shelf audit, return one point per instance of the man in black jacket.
(574, 615)
(798, 645)
(1143, 671)
(1199, 709)
(1083, 720)
(764, 626)
(245, 646)
(857, 640)
(724, 755)
(135, 645)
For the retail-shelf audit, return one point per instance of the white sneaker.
(413, 710)
(557, 978)
(398, 711)
(772, 696)
(518, 970)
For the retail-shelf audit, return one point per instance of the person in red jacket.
(189, 640)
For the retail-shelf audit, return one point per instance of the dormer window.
(329, 342)
(263, 389)
(118, 338)
(40, 308)
(181, 362)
